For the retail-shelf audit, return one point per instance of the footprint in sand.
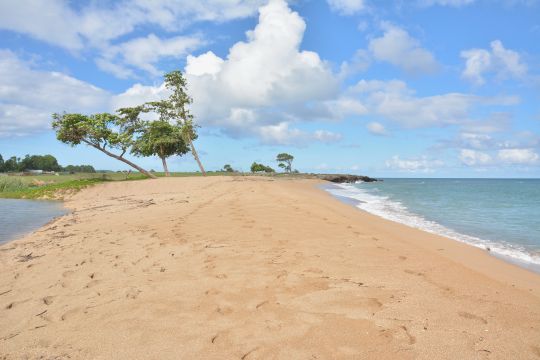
(470, 316)
(48, 300)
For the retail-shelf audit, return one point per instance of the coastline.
(521, 258)
(254, 268)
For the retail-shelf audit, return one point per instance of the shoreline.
(254, 268)
(530, 266)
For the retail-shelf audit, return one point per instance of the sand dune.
(252, 268)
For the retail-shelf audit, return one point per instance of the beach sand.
(253, 268)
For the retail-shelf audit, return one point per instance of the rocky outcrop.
(344, 178)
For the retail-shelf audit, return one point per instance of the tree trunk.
(194, 152)
(138, 168)
(164, 161)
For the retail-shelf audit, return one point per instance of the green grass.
(52, 186)
(55, 186)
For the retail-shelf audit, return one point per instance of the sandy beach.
(253, 268)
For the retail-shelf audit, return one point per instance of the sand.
(253, 268)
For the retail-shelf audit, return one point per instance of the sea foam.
(378, 204)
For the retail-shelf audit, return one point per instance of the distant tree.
(1, 163)
(80, 169)
(285, 161)
(162, 139)
(255, 167)
(104, 132)
(175, 108)
(228, 168)
(39, 162)
(11, 164)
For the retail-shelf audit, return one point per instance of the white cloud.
(422, 164)
(207, 63)
(347, 7)
(97, 23)
(518, 156)
(28, 97)
(144, 52)
(476, 141)
(398, 48)
(471, 157)
(395, 101)
(501, 62)
(261, 87)
(282, 134)
(326, 136)
(376, 128)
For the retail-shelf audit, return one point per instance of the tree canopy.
(39, 162)
(162, 139)
(105, 132)
(125, 132)
(255, 167)
(285, 161)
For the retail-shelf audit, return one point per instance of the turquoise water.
(19, 217)
(502, 214)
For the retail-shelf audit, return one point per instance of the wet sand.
(253, 268)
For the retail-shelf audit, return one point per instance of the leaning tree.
(176, 108)
(104, 132)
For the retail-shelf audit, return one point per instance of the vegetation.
(39, 162)
(117, 134)
(175, 109)
(228, 168)
(255, 168)
(162, 139)
(285, 161)
(104, 132)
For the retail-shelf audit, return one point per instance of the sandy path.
(250, 268)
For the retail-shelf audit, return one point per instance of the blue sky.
(419, 88)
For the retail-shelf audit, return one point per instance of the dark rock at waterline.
(344, 178)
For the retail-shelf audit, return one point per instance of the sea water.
(502, 215)
(19, 217)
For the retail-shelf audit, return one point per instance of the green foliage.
(98, 130)
(9, 183)
(160, 138)
(1, 163)
(11, 164)
(255, 167)
(285, 161)
(79, 169)
(228, 168)
(39, 162)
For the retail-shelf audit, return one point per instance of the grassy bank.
(54, 186)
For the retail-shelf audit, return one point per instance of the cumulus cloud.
(261, 87)
(398, 48)
(347, 7)
(376, 128)
(501, 62)
(471, 157)
(421, 164)
(518, 156)
(28, 97)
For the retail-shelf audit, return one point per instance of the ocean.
(500, 214)
(20, 217)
